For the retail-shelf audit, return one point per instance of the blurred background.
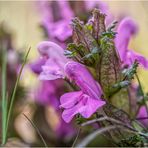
(23, 18)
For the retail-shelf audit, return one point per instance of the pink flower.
(49, 92)
(56, 16)
(87, 100)
(54, 66)
(126, 29)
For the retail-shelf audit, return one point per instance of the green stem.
(15, 89)
(4, 101)
(142, 92)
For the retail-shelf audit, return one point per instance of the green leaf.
(121, 84)
(131, 71)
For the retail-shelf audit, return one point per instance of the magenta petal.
(68, 114)
(90, 106)
(51, 49)
(136, 56)
(54, 66)
(51, 73)
(54, 26)
(36, 67)
(46, 94)
(63, 32)
(86, 107)
(66, 10)
(82, 77)
(143, 114)
(126, 29)
(69, 99)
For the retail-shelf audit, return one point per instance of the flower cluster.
(56, 26)
(93, 49)
(98, 66)
(56, 23)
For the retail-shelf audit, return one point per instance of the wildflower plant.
(100, 69)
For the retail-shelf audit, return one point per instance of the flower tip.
(46, 48)
(129, 25)
(43, 47)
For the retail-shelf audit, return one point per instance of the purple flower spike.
(54, 66)
(87, 100)
(126, 29)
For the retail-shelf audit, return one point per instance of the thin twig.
(36, 128)
(117, 122)
(90, 137)
(101, 119)
(142, 92)
(78, 133)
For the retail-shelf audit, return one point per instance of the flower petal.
(89, 106)
(36, 67)
(86, 107)
(68, 100)
(46, 94)
(51, 49)
(68, 114)
(51, 73)
(143, 114)
(63, 32)
(81, 76)
(126, 29)
(54, 66)
(136, 56)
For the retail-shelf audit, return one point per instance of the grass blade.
(14, 91)
(4, 99)
(37, 130)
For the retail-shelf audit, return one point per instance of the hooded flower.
(53, 67)
(55, 21)
(49, 92)
(49, 67)
(126, 29)
(87, 100)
